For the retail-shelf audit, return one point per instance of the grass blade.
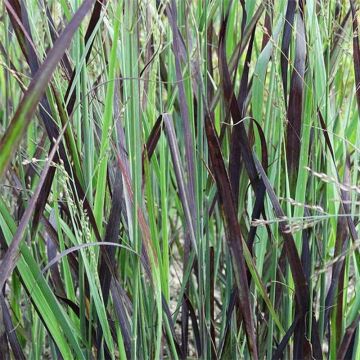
(37, 87)
(294, 112)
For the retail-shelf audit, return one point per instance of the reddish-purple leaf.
(152, 141)
(294, 111)
(343, 350)
(11, 331)
(233, 234)
(240, 145)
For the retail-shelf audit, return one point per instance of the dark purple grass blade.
(236, 112)
(285, 45)
(269, 7)
(278, 353)
(196, 331)
(75, 308)
(10, 331)
(344, 350)
(294, 112)
(185, 312)
(326, 135)
(41, 201)
(244, 16)
(152, 141)
(340, 304)
(233, 234)
(240, 145)
(240, 48)
(259, 201)
(112, 232)
(111, 235)
(301, 343)
(210, 63)
(150, 57)
(235, 144)
(4, 345)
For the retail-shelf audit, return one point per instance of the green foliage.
(179, 179)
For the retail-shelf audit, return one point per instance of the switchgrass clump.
(179, 179)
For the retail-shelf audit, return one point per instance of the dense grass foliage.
(179, 179)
